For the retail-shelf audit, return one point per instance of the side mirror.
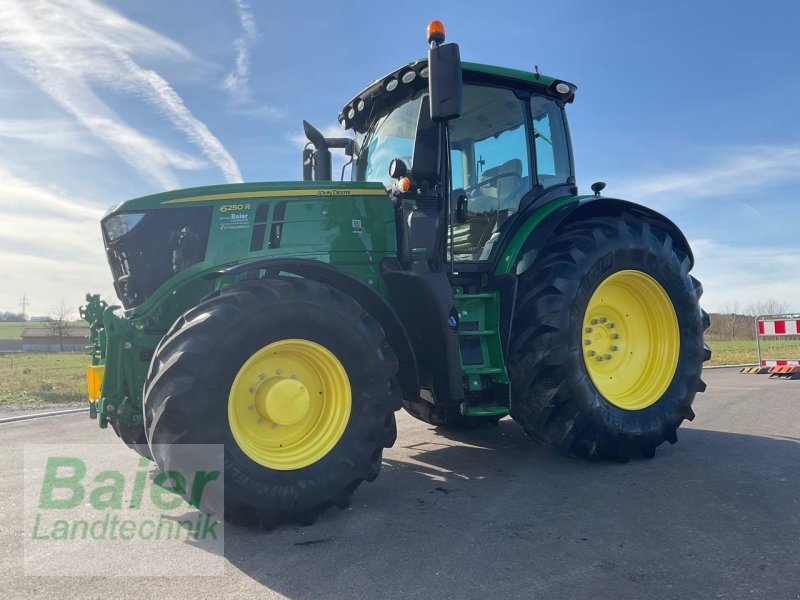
(444, 81)
(397, 168)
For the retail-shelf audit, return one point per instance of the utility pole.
(24, 303)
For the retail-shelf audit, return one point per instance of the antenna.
(24, 304)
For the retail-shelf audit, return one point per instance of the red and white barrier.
(776, 326)
(779, 327)
(780, 363)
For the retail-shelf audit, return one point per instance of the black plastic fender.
(365, 295)
(595, 206)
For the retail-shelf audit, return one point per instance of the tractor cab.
(507, 147)
(459, 179)
(466, 152)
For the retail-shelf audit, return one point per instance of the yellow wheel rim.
(289, 404)
(630, 340)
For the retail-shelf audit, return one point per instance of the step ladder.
(481, 346)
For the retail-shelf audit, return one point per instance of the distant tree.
(6, 316)
(59, 324)
(767, 307)
(730, 320)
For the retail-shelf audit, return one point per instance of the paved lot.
(493, 515)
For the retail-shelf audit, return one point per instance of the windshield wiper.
(536, 134)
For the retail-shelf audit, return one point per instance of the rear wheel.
(608, 347)
(296, 381)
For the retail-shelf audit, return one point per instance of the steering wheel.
(490, 180)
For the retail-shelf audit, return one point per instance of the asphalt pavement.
(491, 514)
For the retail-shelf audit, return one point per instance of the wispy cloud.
(19, 196)
(50, 245)
(735, 171)
(55, 134)
(747, 275)
(68, 46)
(237, 82)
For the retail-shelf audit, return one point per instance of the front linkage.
(116, 343)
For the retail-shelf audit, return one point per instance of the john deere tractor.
(458, 274)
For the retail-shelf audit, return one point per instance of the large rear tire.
(607, 349)
(297, 382)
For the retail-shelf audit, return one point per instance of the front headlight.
(118, 225)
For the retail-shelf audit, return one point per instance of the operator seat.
(488, 209)
(507, 188)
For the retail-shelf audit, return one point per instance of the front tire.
(608, 298)
(134, 437)
(297, 382)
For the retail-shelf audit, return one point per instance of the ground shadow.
(495, 514)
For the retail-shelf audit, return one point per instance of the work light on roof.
(408, 76)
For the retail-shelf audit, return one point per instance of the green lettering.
(114, 521)
(158, 490)
(210, 529)
(60, 530)
(36, 522)
(201, 479)
(84, 530)
(114, 491)
(152, 526)
(161, 522)
(139, 482)
(102, 534)
(126, 530)
(71, 482)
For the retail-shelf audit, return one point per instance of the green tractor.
(457, 275)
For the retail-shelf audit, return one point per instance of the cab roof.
(376, 97)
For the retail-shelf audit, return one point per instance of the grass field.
(12, 331)
(40, 379)
(744, 351)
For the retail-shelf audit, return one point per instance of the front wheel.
(294, 379)
(607, 349)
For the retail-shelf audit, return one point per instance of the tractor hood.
(214, 194)
(176, 235)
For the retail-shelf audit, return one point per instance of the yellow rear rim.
(289, 404)
(630, 340)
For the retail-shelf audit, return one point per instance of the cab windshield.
(389, 137)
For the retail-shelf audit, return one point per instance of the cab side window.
(489, 168)
(550, 139)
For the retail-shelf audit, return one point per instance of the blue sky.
(688, 107)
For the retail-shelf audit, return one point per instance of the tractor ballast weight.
(458, 275)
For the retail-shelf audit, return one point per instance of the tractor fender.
(366, 296)
(586, 207)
